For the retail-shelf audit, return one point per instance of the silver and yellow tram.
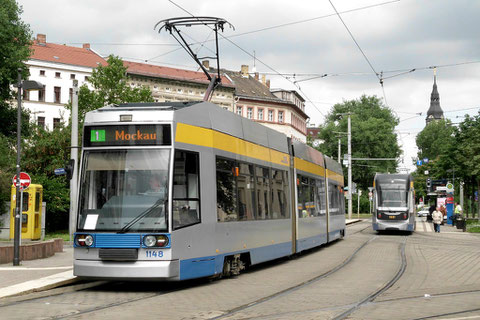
(178, 191)
(394, 202)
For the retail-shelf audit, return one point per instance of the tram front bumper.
(125, 270)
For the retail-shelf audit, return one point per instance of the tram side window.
(320, 197)
(246, 192)
(334, 199)
(263, 190)
(279, 194)
(226, 190)
(306, 197)
(186, 193)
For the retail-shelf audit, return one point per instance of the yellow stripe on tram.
(309, 167)
(213, 139)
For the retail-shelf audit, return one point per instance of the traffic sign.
(449, 187)
(24, 180)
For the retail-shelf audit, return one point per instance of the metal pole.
(358, 204)
(16, 237)
(339, 148)
(461, 198)
(349, 168)
(74, 156)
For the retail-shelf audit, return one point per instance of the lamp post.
(25, 85)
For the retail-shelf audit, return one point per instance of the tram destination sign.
(127, 135)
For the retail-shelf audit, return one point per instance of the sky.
(294, 41)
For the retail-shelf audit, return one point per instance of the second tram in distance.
(393, 202)
(178, 191)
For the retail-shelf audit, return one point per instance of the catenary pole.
(74, 157)
(349, 168)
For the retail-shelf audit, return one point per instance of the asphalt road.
(424, 275)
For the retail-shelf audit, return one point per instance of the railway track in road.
(301, 285)
(124, 297)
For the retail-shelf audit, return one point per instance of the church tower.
(434, 112)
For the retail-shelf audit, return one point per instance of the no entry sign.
(24, 180)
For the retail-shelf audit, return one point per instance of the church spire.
(435, 112)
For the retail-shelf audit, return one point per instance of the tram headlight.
(84, 240)
(155, 241)
(150, 241)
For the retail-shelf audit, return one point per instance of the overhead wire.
(257, 59)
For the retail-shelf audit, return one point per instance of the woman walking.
(437, 217)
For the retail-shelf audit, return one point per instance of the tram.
(394, 202)
(176, 191)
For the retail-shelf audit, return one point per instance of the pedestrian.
(437, 217)
(430, 211)
(458, 210)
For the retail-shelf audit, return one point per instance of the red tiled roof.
(170, 73)
(65, 54)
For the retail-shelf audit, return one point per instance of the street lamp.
(26, 85)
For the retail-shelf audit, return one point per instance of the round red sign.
(24, 180)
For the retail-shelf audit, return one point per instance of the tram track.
(298, 286)
(378, 292)
(75, 289)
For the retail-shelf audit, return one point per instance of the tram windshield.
(124, 190)
(392, 195)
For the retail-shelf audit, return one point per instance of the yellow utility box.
(32, 212)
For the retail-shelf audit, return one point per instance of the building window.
(57, 93)
(250, 113)
(57, 74)
(239, 111)
(86, 78)
(260, 114)
(26, 95)
(70, 94)
(42, 73)
(167, 89)
(270, 115)
(179, 90)
(41, 122)
(41, 94)
(56, 123)
(72, 76)
(280, 116)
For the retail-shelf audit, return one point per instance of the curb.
(41, 284)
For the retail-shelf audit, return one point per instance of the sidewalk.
(37, 275)
(43, 274)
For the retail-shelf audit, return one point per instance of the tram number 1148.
(153, 254)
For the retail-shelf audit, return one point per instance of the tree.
(46, 151)
(373, 136)
(435, 139)
(109, 87)
(14, 51)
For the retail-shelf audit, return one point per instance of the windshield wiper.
(129, 225)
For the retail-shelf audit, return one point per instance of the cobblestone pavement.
(441, 278)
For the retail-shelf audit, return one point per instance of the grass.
(473, 226)
(63, 234)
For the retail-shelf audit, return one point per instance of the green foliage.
(14, 51)
(109, 87)
(46, 151)
(373, 136)
(14, 46)
(435, 139)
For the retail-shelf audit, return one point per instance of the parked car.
(423, 212)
